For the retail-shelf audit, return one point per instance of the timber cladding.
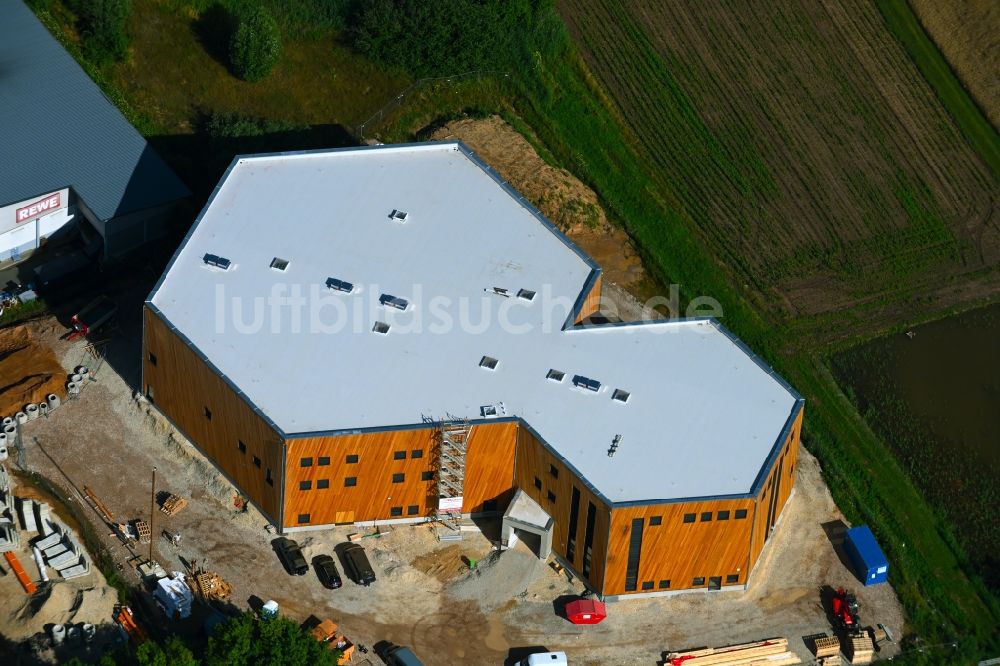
(592, 302)
(390, 474)
(212, 415)
(776, 490)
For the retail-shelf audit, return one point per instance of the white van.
(545, 659)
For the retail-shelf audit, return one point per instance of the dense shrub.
(255, 46)
(102, 24)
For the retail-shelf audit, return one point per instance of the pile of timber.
(860, 649)
(770, 652)
(211, 586)
(173, 504)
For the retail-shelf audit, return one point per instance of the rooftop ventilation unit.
(620, 395)
(391, 301)
(614, 446)
(526, 294)
(555, 375)
(493, 411)
(499, 291)
(381, 328)
(399, 215)
(586, 383)
(279, 264)
(488, 362)
(339, 285)
(218, 262)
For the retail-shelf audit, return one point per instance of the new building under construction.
(393, 334)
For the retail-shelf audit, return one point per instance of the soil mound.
(29, 371)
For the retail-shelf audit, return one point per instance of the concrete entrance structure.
(527, 515)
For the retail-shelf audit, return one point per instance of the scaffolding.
(452, 447)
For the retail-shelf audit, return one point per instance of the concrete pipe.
(72, 388)
(3, 453)
(8, 420)
(89, 631)
(76, 378)
(3, 439)
(43, 408)
(31, 411)
(10, 430)
(53, 401)
(21, 418)
(72, 633)
(82, 370)
(58, 634)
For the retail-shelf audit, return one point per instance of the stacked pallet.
(211, 586)
(173, 504)
(142, 529)
(860, 649)
(770, 652)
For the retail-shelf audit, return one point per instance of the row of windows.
(352, 459)
(351, 481)
(396, 511)
(706, 516)
(697, 582)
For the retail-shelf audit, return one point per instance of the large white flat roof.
(702, 414)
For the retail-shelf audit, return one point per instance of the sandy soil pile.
(28, 371)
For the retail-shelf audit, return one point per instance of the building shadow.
(213, 29)
(836, 532)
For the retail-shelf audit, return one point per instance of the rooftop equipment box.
(869, 562)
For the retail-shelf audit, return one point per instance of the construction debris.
(173, 596)
(859, 649)
(770, 652)
(99, 505)
(173, 505)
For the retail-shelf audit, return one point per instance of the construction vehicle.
(95, 315)
(845, 612)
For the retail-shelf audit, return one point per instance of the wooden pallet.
(142, 529)
(827, 646)
(860, 650)
(173, 505)
(211, 586)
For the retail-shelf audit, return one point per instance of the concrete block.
(26, 512)
(48, 541)
(62, 560)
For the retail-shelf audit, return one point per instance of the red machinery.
(96, 314)
(845, 611)
(585, 611)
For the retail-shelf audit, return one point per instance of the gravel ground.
(425, 595)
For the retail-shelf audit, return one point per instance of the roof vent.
(279, 264)
(488, 362)
(339, 285)
(399, 215)
(499, 291)
(586, 383)
(218, 262)
(381, 328)
(391, 301)
(620, 395)
(555, 375)
(614, 446)
(526, 294)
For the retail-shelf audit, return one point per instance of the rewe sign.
(40, 207)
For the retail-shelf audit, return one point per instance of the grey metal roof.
(57, 129)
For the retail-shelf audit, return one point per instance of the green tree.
(172, 653)
(247, 641)
(102, 23)
(255, 46)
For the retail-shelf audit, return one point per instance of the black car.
(357, 564)
(399, 655)
(326, 571)
(291, 556)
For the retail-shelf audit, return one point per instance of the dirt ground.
(425, 596)
(28, 372)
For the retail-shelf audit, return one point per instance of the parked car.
(291, 556)
(545, 659)
(326, 571)
(357, 565)
(398, 655)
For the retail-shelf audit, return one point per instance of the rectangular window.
(664, 584)
(655, 520)
(396, 511)
(553, 471)
(574, 517)
(322, 484)
(488, 362)
(303, 518)
(722, 515)
(323, 461)
(647, 585)
(588, 539)
(416, 453)
(352, 459)
(268, 478)
(305, 485)
(208, 413)
(706, 516)
(241, 446)
(381, 328)
(399, 455)
(555, 375)
(538, 483)
(526, 294)
(350, 481)
(279, 264)
(620, 395)
(305, 462)
(698, 581)
(732, 578)
(715, 583)
(256, 461)
(740, 514)
(412, 510)
(552, 496)
(398, 477)
(427, 476)
(634, 550)
(152, 358)
(688, 517)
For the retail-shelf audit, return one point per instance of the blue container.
(869, 561)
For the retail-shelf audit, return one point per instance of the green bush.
(255, 46)
(102, 24)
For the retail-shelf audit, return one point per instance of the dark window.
(490, 505)
(399, 455)
(574, 516)
(396, 511)
(740, 514)
(322, 483)
(715, 583)
(256, 461)
(427, 476)
(706, 516)
(538, 483)
(655, 520)
(722, 515)
(352, 459)
(242, 447)
(152, 358)
(634, 550)
(688, 517)
(208, 413)
(553, 471)
(588, 538)
(551, 495)
(350, 481)
(647, 585)
(698, 581)
(306, 462)
(323, 461)
(268, 478)
(398, 478)
(412, 510)
(665, 584)
(732, 578)
(417, 453)
(303, 518)
(305, 485)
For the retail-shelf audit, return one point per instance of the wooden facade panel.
(776, 490)
(533, 474)
(678, 551)
(592, 303)
(183, 387)
(380, 456)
